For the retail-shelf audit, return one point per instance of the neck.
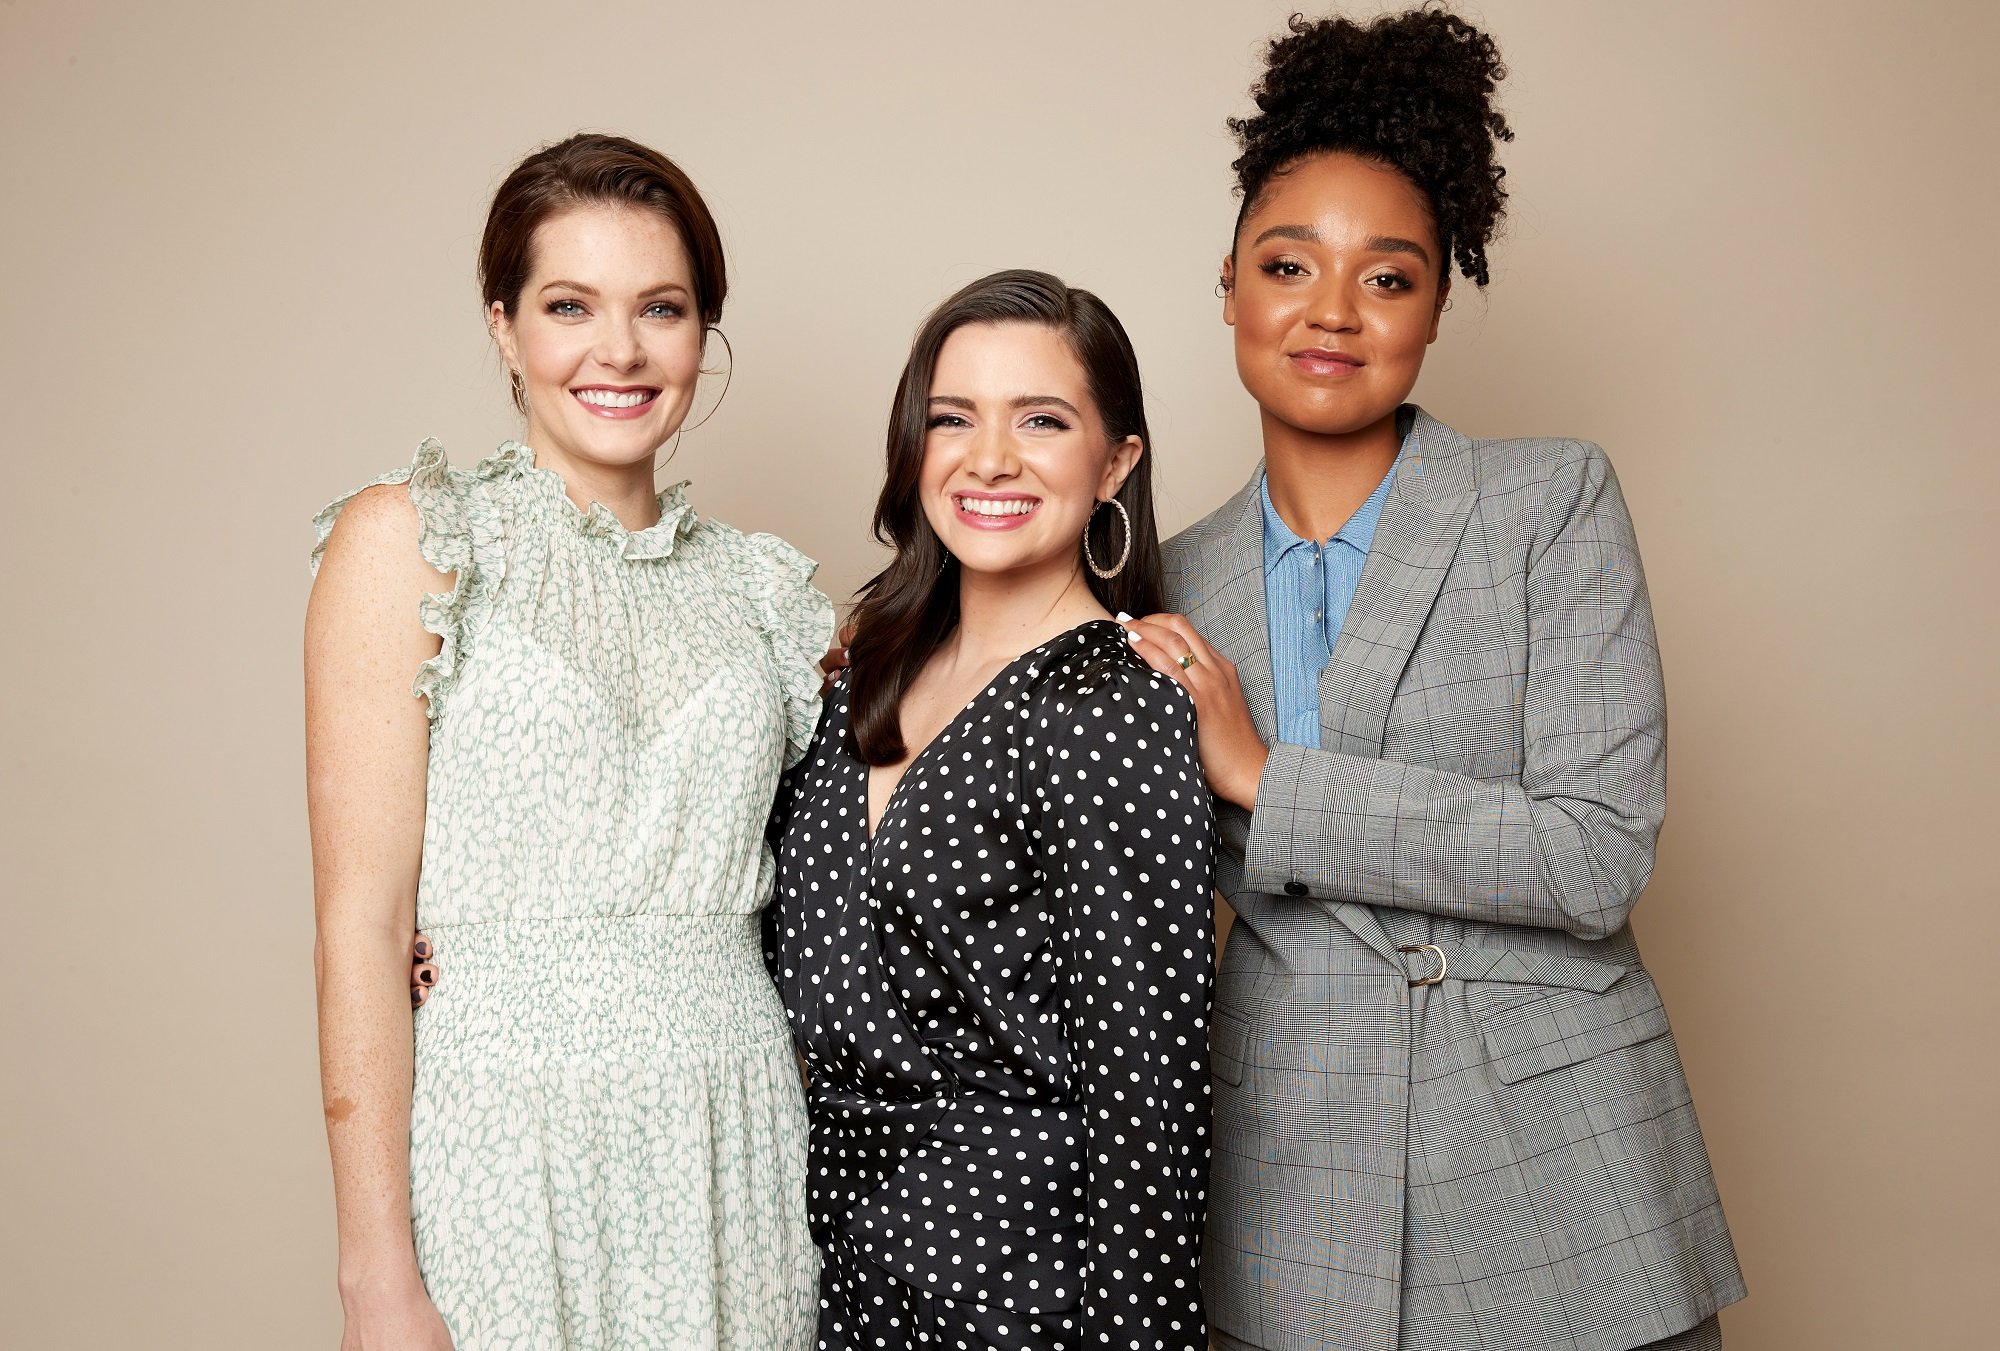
(1319, 480)
(1002, 615)
(626, 490)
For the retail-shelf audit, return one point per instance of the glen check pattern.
(1507, 1160)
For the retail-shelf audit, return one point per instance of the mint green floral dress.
(607, 1136)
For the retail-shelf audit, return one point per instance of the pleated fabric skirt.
(608, 1140)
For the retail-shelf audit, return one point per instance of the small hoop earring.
(728, 376)
(1123, 554)
(1222, 290)
(518, 387)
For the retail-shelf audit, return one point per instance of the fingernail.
(427, 977)
(1124, 618)
(423, 951)
(416, 998)
(847, 654)
(1131, 637)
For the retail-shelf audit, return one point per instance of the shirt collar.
(1359, 532)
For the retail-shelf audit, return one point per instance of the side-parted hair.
(905, 611)
(590, 169)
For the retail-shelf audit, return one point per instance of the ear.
(1437, 310)
(502, 329)
(1124, 458)
(1229, 289)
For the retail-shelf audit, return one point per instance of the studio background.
(1748, 252)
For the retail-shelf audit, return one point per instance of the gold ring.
(1187, 661)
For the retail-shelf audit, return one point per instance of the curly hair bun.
(1413, 90)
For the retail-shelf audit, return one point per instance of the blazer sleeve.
(1126, 835)
(1570, 844)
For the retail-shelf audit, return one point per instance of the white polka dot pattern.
(1002, 1001)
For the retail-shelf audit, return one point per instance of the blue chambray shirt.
(1307, 590)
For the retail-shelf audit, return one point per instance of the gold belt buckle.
(1443, 964)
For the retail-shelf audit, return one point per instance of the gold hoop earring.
(728, 376)
(1123, 554)
(518, 387)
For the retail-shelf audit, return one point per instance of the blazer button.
(1295, 888)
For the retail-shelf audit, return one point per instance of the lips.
(611, 401)
(1325, 362)
(994, 511)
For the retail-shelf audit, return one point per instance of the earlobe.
(1227, 286)
(501, 329)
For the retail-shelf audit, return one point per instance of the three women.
(1448, 1108)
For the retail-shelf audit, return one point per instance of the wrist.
(385, 1276)
(1242, 790)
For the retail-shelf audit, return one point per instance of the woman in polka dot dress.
(992, 930)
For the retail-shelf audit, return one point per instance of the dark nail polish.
(427, 977)
(423, 951)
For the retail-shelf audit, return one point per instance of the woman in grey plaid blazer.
(1449, 1112)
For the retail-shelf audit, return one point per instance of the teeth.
(605, 398)
(1006, 506)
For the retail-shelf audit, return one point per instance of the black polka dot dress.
(1002, 1001)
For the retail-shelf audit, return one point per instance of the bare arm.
(367, 743)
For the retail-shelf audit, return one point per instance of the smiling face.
(605, 336)
(1015, 454)
(1334, 291)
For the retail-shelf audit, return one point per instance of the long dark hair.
(908, 608)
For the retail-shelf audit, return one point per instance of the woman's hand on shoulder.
(835, 660)
(400, 1317)
(1232, 754)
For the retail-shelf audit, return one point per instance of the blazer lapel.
(1415, 542)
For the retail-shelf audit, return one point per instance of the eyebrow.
(577, 286)
(1018, 401)
(1305, 234)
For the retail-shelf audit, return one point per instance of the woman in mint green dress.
(595, 1137)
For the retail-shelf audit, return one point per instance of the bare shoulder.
(374, 545)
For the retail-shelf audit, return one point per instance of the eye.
(664, 309)
(1391, 281)
(945, 420)
(1046, 422)
(565, 309)
(1282, 267)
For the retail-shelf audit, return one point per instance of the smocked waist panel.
(629, 986)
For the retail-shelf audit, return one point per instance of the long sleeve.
(1126, 844)
(1569, 845)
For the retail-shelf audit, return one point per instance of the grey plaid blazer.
(1506, 1160)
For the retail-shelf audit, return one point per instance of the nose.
(618, 346)
(1331, 306)
(991, 458)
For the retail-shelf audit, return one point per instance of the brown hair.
(586, 169)
(908, 608)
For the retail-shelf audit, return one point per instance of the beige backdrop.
(1750, 253)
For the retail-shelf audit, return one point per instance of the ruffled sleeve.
(462, 531)
(795, 618)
